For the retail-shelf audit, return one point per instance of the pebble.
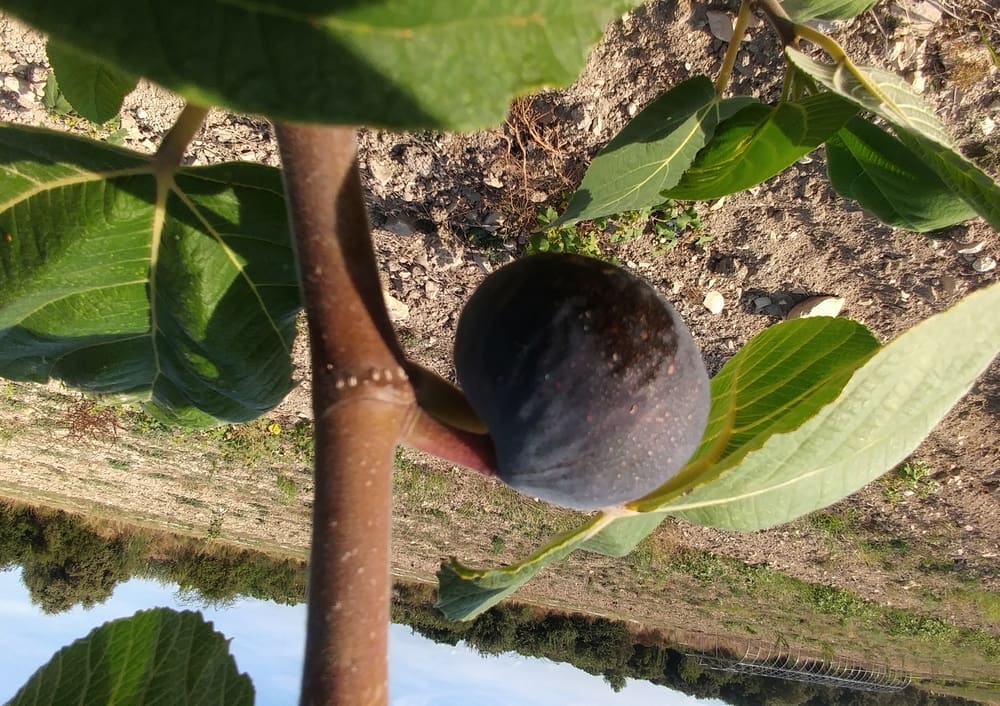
(925, 293)
(984, 264)
(398, 311)
(720, 24)
(761, 303)
(817, 306)
(948, 284)
(380, 172)
(9, 83)
(401, 226)
(973, 249)
(714, 302)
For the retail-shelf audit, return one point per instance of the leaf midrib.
(696, 118)
(81, 177)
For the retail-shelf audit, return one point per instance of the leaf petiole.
(171, 151)
(739, 31)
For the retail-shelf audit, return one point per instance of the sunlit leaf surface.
(177, 289)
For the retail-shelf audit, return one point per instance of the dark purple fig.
(592, 389)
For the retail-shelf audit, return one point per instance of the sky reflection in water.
(267, 641)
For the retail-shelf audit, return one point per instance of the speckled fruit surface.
(590, 384)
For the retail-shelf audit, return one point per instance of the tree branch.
(362, 399)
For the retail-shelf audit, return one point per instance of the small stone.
(401, 226)
(984, 264)
(761, 303)
(949, 285)
(973, 249)
(817, 306)
(720, 24)
(380, 171)
(988, 125)
(398, 311)
(927, 12)
(714, 302)
(925, 293)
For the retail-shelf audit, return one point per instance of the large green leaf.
(464, 592)
(622, 535)
(867, 164)
(796, 426)
(876, 90)
(915, 123)
(179, 289)
(779, 379)
(760, 141)
(884, 412)
(976, 187)
(156, 656)
(94, 89)
(649, 155)
(394, 63)
(805, 10)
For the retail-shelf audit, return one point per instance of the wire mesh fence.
(778, 660)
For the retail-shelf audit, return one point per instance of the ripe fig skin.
(589, 383)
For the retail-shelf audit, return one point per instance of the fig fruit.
(589, 383)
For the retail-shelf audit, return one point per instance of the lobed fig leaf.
(587, 379)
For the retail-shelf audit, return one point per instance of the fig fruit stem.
(362, 400)
(470, 449)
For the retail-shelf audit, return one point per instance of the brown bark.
(362, 400)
